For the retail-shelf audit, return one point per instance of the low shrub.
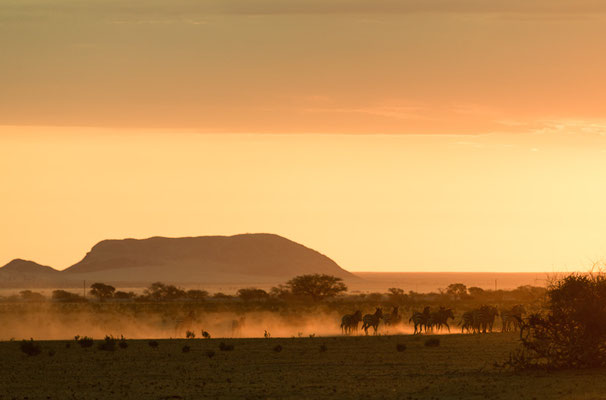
(400, 347)
(108, 344)
(85, 342)
(432, 342)
(30, 347)
(225, 347)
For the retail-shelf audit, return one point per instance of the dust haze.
(46, 323)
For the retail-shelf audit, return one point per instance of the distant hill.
(24, 273)
(239, 259)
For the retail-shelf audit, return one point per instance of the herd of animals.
(479, 320)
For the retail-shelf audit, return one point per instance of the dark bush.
(122, 343)
(572, 331)
(432, 342)
(190, 335)
(400, 347)
(185, 349)
(67, 297)
(278, 348)
(205, 335)
(252, 294)
(108, 344)
(30, 347)
(85, 342)
(210, 353)
(323, 348)
(153, 344)
(225, 347)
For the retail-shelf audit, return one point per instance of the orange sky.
(390, 135)
(356, 66)
(372, 202)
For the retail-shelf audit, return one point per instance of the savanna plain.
(384, 366)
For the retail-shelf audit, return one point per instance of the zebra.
(487, 317)
(421, 320)
(440, 318)
(372, 320)
(510, 319)
(479, 320)
(468, 321)
(349, 322)
(394, 318)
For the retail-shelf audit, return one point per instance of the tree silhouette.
(162, 291)
(252, 294)
(316, 286)
(102, 291)
(457, 290)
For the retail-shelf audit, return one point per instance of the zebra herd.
(479, 320)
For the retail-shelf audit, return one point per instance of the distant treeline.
(302, 291)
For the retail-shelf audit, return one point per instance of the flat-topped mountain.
(239, 259)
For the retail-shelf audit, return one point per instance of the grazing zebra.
(394, 318)
(511, 319)
(372, 320)
(349, 322)
(440, 318)
(421, 320)
(236, 326)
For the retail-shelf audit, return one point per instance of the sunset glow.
(524, 202)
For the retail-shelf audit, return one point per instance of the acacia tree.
(252, 294)
(162, 291)
(102, 291)
(457, 290)
(316, 286)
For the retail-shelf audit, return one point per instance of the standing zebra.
(372, 320)
(480, 320)
(349, 322)
(511, 319)
(487, 317)
(421, 320)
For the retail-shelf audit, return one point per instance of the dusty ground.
(349, 368)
